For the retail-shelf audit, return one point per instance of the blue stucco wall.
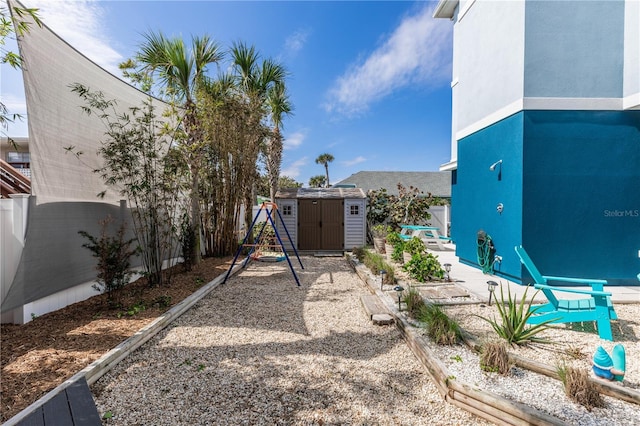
(478, 191)
(574, 49)
(570, 185)
(581, 204)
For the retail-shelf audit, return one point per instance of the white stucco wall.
(631, 90)
(488, 65)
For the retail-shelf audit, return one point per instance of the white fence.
(441, 218)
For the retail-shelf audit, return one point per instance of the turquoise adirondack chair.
(597, 307)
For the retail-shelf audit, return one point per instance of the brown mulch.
(38, 356)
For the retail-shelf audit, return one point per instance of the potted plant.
(380, 232)
(412, 247)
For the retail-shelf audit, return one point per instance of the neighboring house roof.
(314, 193)
(437, 183)
(445, 9)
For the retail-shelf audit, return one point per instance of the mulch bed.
(38, 356)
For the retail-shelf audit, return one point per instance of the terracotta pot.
(388, 249)
(378, 244)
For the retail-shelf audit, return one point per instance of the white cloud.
(14, 104)
(416, 53)
(293, 169)
(357, 160)
(296, 41)
(81, 23)
(294, 140)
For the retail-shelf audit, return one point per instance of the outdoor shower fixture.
(494, 165)
(493, 168)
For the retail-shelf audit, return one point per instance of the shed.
(323, 219)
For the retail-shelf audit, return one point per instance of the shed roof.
(314, 193)
(437, 183)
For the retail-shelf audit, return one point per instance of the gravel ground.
(571, 346)
(259, 350)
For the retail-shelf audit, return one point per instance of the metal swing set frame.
(269, 208)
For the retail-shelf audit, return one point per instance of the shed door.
(332, 225)
(320, 225)
(309, 230)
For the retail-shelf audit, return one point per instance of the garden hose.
(486, 252)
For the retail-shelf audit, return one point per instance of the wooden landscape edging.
(106, 362)
(484, 404)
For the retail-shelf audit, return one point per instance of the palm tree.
(256, 79)
(279, 105)
(181, 72)
(317, 181)
(325, 159)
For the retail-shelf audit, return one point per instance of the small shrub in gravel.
(359, 253)
(579, 388)
(494, 358)
(376, 263)
(512, 325)
(414, 301)
(440, 328)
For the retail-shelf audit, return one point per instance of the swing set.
(265, 249)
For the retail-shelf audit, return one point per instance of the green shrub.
(380, 230)
(359, 253)
(513, 320)
(414, 301)
(394, 238)
(376, 263)
(424, 267)
(439, 327)
(414, 246)
(268, 233)
(114, 259)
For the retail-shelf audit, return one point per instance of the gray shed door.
(320, 225)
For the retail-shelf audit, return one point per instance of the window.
(17, 157)
(354, 210)
(287, 211)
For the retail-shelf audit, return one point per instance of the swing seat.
(268, 258)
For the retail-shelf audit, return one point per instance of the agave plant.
(513, 320)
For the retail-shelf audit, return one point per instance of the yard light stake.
(382, 275)
(399, 289)
(447, 267)
(492, 287)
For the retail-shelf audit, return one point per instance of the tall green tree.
(134, 163)
(325, 159)
(279, 105)
(317, 181)
(255, 78)
(181, 71)
(283, 182)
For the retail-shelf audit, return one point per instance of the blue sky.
(369, 80)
